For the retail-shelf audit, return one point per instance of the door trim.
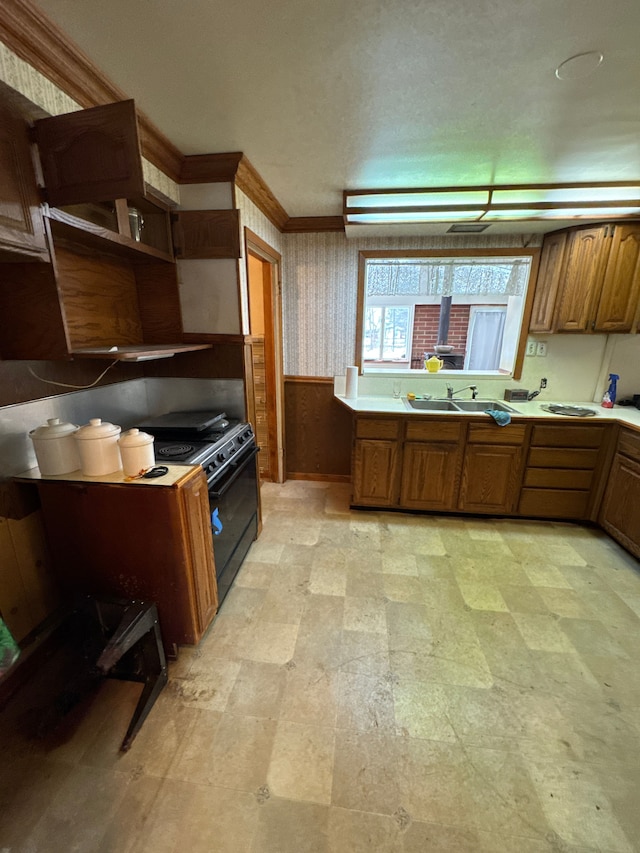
(256, 246)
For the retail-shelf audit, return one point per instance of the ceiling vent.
(469, 228)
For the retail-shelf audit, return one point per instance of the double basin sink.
(457, 405)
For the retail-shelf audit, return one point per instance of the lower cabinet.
(492, 468)
(620, 513)
(491, 478)
(534, 469)
(561, 470)
(431, 464)
(376, 461)
(140, 542)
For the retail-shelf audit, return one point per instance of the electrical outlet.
(541, 348)
(531, 347)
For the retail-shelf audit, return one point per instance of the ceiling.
(325, 95)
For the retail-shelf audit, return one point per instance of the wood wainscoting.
(317, 431)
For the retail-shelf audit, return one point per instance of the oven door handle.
(239, 466)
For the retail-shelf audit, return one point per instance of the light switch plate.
(542, 348)
(531, 347)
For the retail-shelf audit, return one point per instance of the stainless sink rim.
(453, 406)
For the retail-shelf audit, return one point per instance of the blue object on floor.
(501, 418)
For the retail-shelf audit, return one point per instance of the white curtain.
(484, 342)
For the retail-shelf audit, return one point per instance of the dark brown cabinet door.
(621, 507)
(197, 525)
(430, 475)
(548, 283)
(490, 478)
(375, 472)
(21, 226)
(582, 280)
(91, 155)
(621, 285)
(206, 234)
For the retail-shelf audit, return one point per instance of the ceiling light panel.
(419, 199)
(502, 203)
(414, 216)
(566, 194)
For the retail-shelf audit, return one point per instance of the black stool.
(117, 639)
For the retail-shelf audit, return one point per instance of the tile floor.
(374, 682)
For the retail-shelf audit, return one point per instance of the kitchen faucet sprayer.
(472, 388)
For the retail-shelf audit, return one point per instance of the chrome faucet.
(472, 388)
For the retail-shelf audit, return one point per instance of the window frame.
(410, 315)
(533, 253)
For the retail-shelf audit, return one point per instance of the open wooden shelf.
(136, 352)
(74, 231)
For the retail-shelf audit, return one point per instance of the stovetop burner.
(175, 451)
(214, 450)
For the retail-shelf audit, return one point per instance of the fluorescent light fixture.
(561, 213)
(493, 203)
(416, 216)
(419, 199)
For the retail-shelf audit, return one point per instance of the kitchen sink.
(482, 406)
(457, 405)
(433, 405)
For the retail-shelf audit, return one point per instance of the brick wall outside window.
(425, 330)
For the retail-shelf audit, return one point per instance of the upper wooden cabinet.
(111, 288)
(548, 282)
(91, 155)
(206, 234)
(589, 280)
(21, 226)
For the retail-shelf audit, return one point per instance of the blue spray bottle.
(609, 396)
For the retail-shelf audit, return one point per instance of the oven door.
(233, 501)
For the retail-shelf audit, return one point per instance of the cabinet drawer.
(377, 428)
(440, 430)
(567, 436)
(559, 478)
(562, 457)
(494, 434)
(629, 444)
(554, 503)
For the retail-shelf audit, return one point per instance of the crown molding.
(313, 224)
(253, 186)
(34, 37)
(210, 168)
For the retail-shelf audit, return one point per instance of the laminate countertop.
(388, 405)
(173, 477)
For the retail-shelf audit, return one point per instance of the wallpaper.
(320, 288)
(34, 86)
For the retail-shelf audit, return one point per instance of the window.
(466, 307)
(388, 332)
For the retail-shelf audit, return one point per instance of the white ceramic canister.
(56, 451)
(97, 444)
(136, 449)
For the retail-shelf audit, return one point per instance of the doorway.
(263, 355)
(484, 343)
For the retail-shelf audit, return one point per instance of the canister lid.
(96, 428)
(135, 438)
(54, 428)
